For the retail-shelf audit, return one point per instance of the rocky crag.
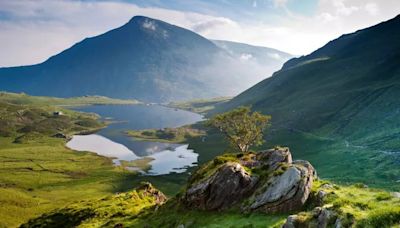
(268, 181)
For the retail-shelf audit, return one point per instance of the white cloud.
(149, 24)
(245, 56)
(275, 56)
(343, 9)
(372, 8)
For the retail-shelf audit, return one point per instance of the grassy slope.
(200, 106)
(21, 98)
(37, 172)
(338, 107)
(355, 204)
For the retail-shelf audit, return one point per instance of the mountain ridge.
(145, 58)
(338, 101)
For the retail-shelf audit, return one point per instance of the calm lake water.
(112, 142)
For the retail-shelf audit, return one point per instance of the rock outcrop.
(267, 181)
(320, 217)
(225, 187)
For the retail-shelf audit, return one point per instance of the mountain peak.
(140, 18)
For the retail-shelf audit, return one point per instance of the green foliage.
(241, 127)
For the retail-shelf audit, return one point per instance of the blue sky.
(33, 30)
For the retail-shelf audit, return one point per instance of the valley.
(157, 124)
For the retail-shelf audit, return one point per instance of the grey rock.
(395, 194)
(323, 219)
(338, 223)
(286, 192)
(230, 184)
(327, 186)
(274, 157)
(321, 194)
(290, 221)
(275, 191)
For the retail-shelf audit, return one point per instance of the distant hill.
(339, 106)
(146, 59)
(267, 60)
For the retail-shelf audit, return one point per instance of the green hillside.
(339, 106)
(37, 172)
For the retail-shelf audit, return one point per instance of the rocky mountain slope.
(146, 59)
(340, 102)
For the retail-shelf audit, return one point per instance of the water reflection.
(113, 142)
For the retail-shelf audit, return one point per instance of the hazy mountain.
(264, 59)
(145, 59)
(340, 105)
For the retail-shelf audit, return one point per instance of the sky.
(33, 30)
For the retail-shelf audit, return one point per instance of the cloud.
(148, 24)
(210, 25)
(372, 8)
(246, 56)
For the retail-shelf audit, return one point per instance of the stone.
(230, 184)
(290, 221)
(321, 194)
(287, 192)
(274, 157)
(279, 185)
(323, 218)
(327, 186)
(395, 194)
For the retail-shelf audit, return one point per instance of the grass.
(357, 205)
(137, 209)
(41, 176)
(24, 99)
(168, 135)
(37, 172)
(200, 106)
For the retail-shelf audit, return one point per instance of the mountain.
(339, 107)
(146, 59)
(262, 59)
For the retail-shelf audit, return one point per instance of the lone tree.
(241, 127)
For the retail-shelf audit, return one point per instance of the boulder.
(319, 217)
(287, 192)
(274, 157)
(274, 183)
(228, 185)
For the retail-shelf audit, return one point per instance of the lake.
(113, 142)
